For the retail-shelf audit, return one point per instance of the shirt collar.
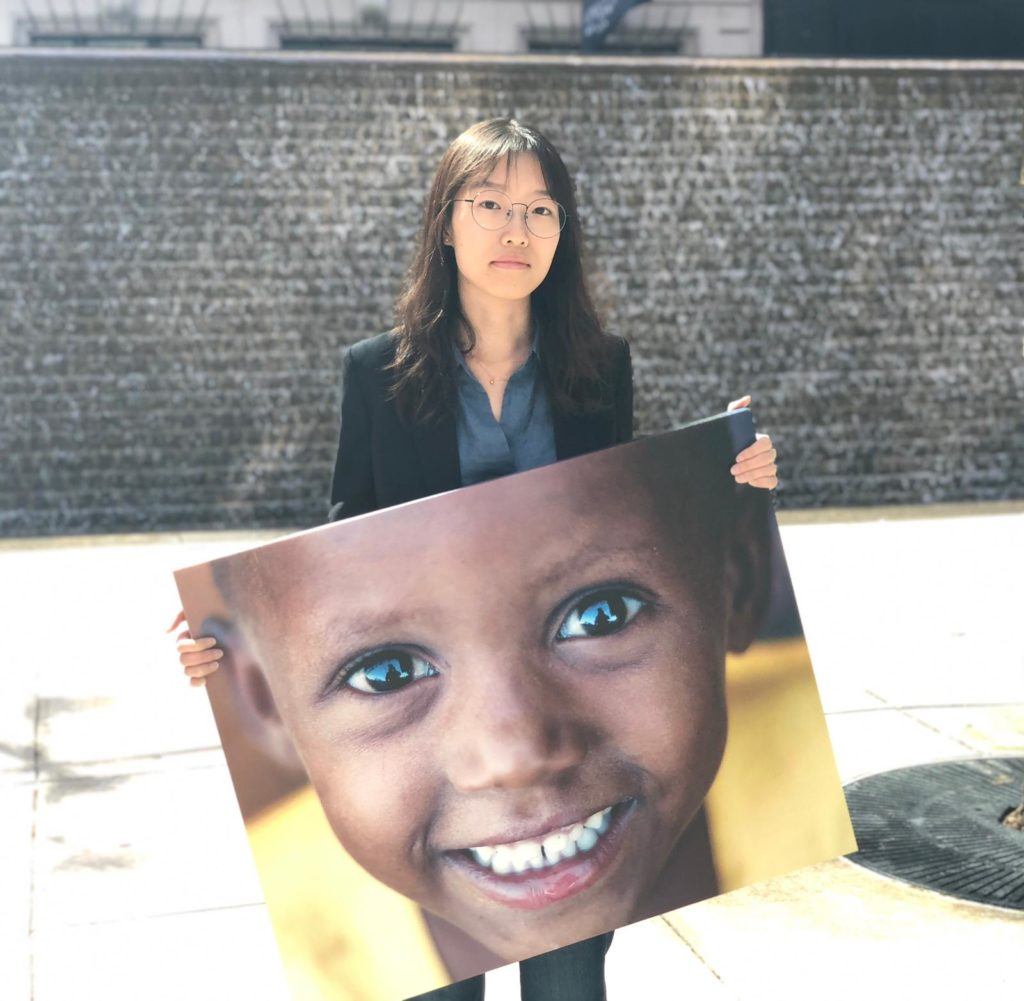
(534, 347)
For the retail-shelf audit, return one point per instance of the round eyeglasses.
(492, 209)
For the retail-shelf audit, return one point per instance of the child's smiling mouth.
(560, 863)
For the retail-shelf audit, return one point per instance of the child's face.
(488, 673)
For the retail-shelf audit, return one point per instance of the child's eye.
(600, 614)
(389, 672)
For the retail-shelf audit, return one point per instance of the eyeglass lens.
(544, 216)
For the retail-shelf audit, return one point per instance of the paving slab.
(990, 730)
(868, 742)
(837, 930)
(647, 961)
(16, 892)
(17, 728)
(912, 612)
(142, 726)
(117, 847)
(110, 689)
(22, 587)
(212, 955)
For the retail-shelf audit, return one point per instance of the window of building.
(373, 29)
(621, 42)
(94, 25)
(115, 41)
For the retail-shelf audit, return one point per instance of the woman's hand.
(199, 657)
(756, 463)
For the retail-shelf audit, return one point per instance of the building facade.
(665, 27)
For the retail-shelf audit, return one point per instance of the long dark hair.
(575, 353)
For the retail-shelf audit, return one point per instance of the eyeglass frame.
(526, 206)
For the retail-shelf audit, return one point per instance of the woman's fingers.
(743, 401)
(747, 472)
(760, 461)
(201, 670)
(756, 464)
(187, 643)
(765, 482)
(767, 479)
(761, 452)
(201, 657)
(762, 443)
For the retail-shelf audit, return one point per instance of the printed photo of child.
(510, 699)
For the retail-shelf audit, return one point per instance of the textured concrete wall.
(187, 243)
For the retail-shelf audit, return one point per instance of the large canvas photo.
(479, 726)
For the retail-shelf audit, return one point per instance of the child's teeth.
(483, 854)
(554, 846)
(525, 855)
(502, 862)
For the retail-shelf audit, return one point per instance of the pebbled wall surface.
(189, 241)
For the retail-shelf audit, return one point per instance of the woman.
(497, 364)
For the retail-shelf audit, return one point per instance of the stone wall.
(188, 242)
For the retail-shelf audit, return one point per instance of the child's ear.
(748, 567)
(250, 694)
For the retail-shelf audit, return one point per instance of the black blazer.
(383, 461)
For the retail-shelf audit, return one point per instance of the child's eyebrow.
(578, 564)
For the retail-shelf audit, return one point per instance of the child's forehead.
(554, 509)
(486, 536)
(527, 507)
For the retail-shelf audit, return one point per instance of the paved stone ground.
(124, 870)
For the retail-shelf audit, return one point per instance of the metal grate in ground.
(938, 826)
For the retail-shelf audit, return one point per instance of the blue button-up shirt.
(524, 437)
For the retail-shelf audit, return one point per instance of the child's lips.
(540, 887)
(565, 817)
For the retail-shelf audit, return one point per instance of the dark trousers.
(573, 973)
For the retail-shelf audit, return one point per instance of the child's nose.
(508, 731)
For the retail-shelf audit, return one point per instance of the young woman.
(498, 363)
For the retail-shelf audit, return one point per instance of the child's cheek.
(667, 714)
(379, 812)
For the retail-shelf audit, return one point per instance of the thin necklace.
(491, 377)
